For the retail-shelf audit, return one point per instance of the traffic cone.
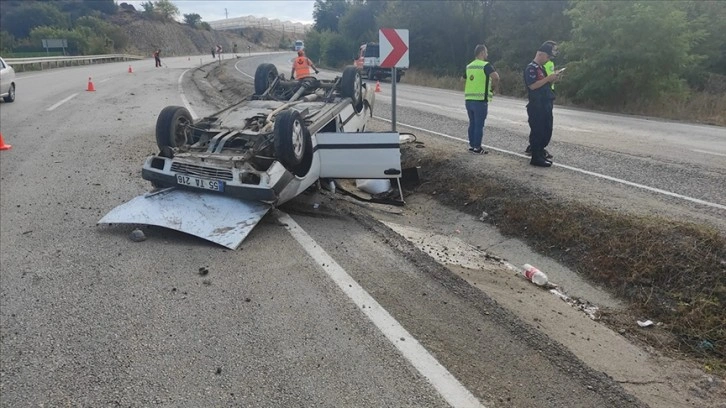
(3, 146)
(131, 71)
(90, 85)
(378, 86)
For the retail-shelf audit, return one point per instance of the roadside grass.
(668, 271)
(701, 107)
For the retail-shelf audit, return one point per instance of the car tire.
(11, 94)
(352, 87)
(264, 76)
(173, 127)
(291, 138)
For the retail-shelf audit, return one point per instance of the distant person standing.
(480, 76)
(157, 58)
(541, 99)
(301, 66)
(549, 67)
(213, 54)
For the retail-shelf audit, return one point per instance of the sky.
(211, 10)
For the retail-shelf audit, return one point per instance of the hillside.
(179, 39)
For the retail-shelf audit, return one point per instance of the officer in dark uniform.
(541, 98)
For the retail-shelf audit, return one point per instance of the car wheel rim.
(297, 139)
(180, 135)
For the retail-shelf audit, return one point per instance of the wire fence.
(245, 22)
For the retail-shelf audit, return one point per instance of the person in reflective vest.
(478, 91)
(301, 66)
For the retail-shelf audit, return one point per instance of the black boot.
(539, 159)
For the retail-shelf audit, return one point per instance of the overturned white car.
(260, 152)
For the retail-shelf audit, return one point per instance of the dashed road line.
(707, 152)
(61, 102)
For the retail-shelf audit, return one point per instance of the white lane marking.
(184, 99)
(707, 152)
(242, 72)
(576, 169)
(431, 105)
(104, 80)
(440, 378)
(492, 116)
(61, 102)
(574, 129)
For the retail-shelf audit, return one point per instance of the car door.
(4, 83)
(359, 155)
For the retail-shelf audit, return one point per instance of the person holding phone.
(541, 98)
(549, 68)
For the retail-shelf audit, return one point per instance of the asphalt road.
(671, 159)
(316, 308)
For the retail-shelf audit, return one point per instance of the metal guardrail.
(33, 64)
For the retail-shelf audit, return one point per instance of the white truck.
(368, 63)
(216, 177)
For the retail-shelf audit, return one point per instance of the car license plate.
(205, 184)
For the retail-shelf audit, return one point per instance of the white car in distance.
(7, 81)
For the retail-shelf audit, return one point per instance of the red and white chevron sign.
(393, 47)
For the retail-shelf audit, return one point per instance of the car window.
(371, 51)
(2, 64)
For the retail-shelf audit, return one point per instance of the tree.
(193, 19)
(359, 24)
(336, 49)
(20, 20)
(627, 52)
(104, 6)
(314, 45)
(442, 35)
(7, 42)
(113, 37)
(512, 43)
(709, 17)
(149, 8)
(166, 9)
(327, 13)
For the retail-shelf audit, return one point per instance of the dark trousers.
(158, 62)
(477, 111)
(540, 123)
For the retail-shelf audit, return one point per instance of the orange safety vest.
(302, 67)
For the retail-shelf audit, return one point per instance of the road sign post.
(393, 54)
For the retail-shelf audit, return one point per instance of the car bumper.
(275, 180)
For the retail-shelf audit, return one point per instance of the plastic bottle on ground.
(534, 275)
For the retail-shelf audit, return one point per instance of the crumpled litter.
(646, 323)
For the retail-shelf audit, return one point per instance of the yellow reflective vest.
(478, 84)
(549, 67)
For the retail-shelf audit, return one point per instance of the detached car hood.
(223, 220)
